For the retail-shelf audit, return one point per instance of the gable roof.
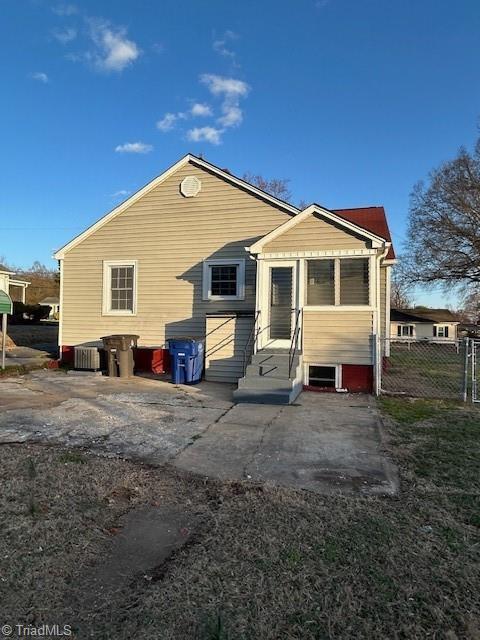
(377, 241)
(373, 219)
(422, 315)
(370, 222)
(196, 161)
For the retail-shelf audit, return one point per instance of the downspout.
(378, 350)
(258, 285)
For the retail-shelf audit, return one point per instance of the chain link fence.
(427, 369)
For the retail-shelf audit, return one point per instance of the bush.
(23, 313)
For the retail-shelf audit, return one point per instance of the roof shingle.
(372, 219)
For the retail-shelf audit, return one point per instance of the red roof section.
(371, 219)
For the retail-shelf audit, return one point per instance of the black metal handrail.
(294, 342)
(250, 336)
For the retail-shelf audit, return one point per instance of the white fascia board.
(199, 162)
(257, 247)
(244, 185)
(58, 255)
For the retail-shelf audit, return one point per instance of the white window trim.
(337, 278)
(207, 282)
(106, 296)
(443, 326)
(338, 372)
(406, 324)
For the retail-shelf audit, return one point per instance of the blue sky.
(352, 100)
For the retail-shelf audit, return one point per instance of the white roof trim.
(19, 283)
(257, 247)
(199, 162)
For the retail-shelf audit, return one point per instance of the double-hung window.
(338, 282)
(440, 331)
(119, 287)
(405, 330)
(224, 279)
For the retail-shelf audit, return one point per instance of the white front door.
(279, 303)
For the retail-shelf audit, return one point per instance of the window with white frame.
(440, 331)
(405, 330)
(323, 376)
(338, 282)
(224, 279)
(119, 287)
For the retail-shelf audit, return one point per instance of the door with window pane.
(281, 303)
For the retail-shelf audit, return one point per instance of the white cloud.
(201, 110)
(167, 123)
(121, 193)
(134, 147)
(113, 51)
(65, 9)
(40, 76)
(232, 115)
(65, 36)
(221, 45)
(231, 90)
(229, 87)
(205, 134)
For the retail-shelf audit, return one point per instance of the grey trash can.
(119, 352)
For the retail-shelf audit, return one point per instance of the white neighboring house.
(54, 303)
(7, 282)
(435, 325)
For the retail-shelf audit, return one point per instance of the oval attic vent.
(190, 186)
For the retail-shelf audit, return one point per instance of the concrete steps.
(268, 380)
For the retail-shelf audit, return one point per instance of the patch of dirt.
(34, 335)
(247, 561)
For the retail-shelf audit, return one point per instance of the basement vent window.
(190, 187)
(322, 376)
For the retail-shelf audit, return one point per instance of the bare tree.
(444, 224)
(44, 282)
(401, 287)
(470, 310)
(277, 187)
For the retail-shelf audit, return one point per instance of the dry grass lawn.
(266, 563)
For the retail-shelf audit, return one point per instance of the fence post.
(377, 364)
(466, 342)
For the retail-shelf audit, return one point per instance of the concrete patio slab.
(325, 442)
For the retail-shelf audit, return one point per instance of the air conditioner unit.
(87, 358)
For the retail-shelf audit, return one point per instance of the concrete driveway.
(329, 443)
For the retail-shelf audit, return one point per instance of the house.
(420, 323)
(283, 298)
(12, 285)
(54, 303)
(468, 330)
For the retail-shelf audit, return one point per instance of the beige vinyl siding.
(314, 233)
(334, 337)
(169, 236)
(226, 340)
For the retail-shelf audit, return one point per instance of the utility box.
(86, 358)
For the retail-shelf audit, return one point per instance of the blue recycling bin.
(187, 360)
